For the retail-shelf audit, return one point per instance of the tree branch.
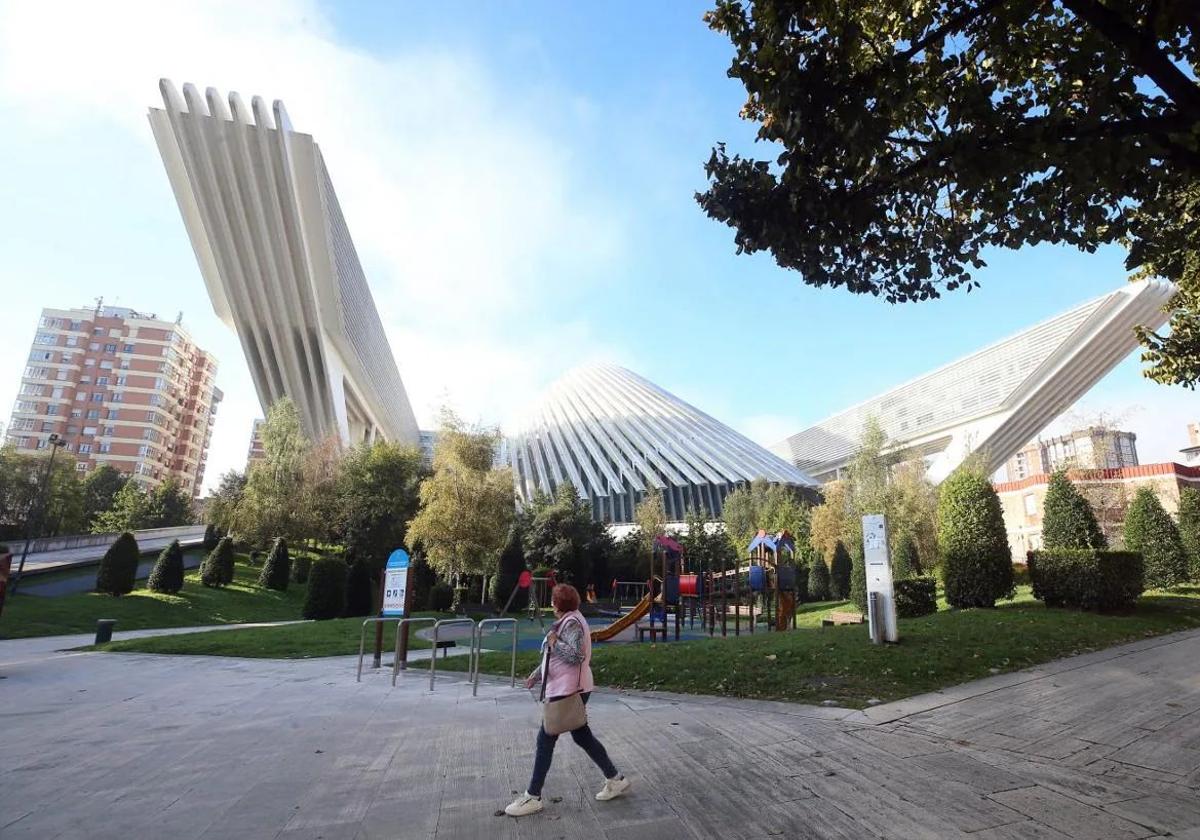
(1142, 50)
(954, 24)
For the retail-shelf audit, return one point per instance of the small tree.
(167, 575)
(512, 563)
(301, 564)
(326, 595)
(1068, 520)
(359, 589)
(275, 571)
(217, 568)
(118, 567)
(1189, 529)
(976, 560)
(1150, 531)
(858, 580)
(839, 572)
(818, 580)
(905, 562)
(210, 537)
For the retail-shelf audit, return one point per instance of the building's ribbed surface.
(279, 263)
(996, 399)
(617, 436)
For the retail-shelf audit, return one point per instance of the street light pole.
(55, 442)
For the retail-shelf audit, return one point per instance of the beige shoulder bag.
(564, 714)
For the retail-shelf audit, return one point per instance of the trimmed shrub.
(118, 567)
(915, 596)
(1067, 518)
(512, 563)
(840, 569)
(441, 596)
(858, 580)
(359, 589)
(1189, 529)
(217, 568)
(326, 595)
(818, 580)
(275, 571)
(211, 537)
(803, 569)
(1150, 531)
(1086, 578)
(301, 563)
(905, 563)
(976, 561)
(167, 575)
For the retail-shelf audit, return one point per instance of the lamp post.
(55, 442)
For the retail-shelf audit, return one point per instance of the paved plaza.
(1105, 745)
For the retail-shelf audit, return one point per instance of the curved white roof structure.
(279, 263)
(616, 436)
(996, 399)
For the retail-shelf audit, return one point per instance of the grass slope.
(195, 605)
(839, 664)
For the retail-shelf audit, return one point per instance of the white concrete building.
(996, 399)
(279, 264)
(616, 436)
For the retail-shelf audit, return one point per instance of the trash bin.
(104, 628)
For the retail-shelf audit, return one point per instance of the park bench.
(653, 629)
(842, 617)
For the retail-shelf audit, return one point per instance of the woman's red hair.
(565, 597)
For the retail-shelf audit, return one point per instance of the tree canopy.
(906, 138)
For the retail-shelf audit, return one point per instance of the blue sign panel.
(395, 584)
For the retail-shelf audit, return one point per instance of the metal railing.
(438, 625)
(477, 651)
(362, 639)
(396, 662)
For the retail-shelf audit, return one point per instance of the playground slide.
(640, 609)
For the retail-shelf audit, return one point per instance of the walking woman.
(566, 670)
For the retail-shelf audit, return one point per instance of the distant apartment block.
(257, 452)
(1091, 448)
(1190, 454)
(121, 388)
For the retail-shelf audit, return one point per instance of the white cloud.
(467, 210)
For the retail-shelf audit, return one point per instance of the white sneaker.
(613, 788)
(524, 805)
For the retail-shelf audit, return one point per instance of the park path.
(104, 745)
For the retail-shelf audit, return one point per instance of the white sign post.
(879, 578)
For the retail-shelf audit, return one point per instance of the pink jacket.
(566, 677)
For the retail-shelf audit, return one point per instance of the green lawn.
(336, 637)
(194, 606)
(839, 664)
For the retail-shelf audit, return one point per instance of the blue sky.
(518, 179)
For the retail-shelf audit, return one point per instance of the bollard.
(104, 630)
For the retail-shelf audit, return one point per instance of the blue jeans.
(545, 754)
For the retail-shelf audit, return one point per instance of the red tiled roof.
(1167, 468)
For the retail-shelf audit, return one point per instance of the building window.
(89, 431)
(41, 356)
(98, 397)
(112, 414)
(51, 409)
(76, 414)
(101, 380)
(45, 338)
(89, 362)
(81, 466)
(61, 376)
(121, 380)
(85, 448)
(1030, 504)
(110, 348)
(72, 341)
(93, 414)
(57, 393)
(105, 447)
(143, 449)
(117, 397)
(106, 365)
(47, 426)
(94, 345)
(97, 330)
(108, 431)
(147, 434)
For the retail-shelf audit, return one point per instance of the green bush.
(276, 570)
(167, 575)
(118, 567)
(1086, 578)
(301, 563)
(858, 580)
(818, 580)
(441, 596)
(1189, 529)
(915, 596)
(255, 557)
(803, 569)
(976, 561)
(840, 570)
(1150, 531)
(326, 595)
(217, 568)
(359, 590)
(905, 563)
(211, 537)
(1067, 518)
(512, 563)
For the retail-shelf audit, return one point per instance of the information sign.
(395, 584)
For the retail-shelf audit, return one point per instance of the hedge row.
(1087, 579)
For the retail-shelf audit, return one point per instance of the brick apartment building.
(120, 388)
(256, 452)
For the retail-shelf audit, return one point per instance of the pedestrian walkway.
(1100, 746)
